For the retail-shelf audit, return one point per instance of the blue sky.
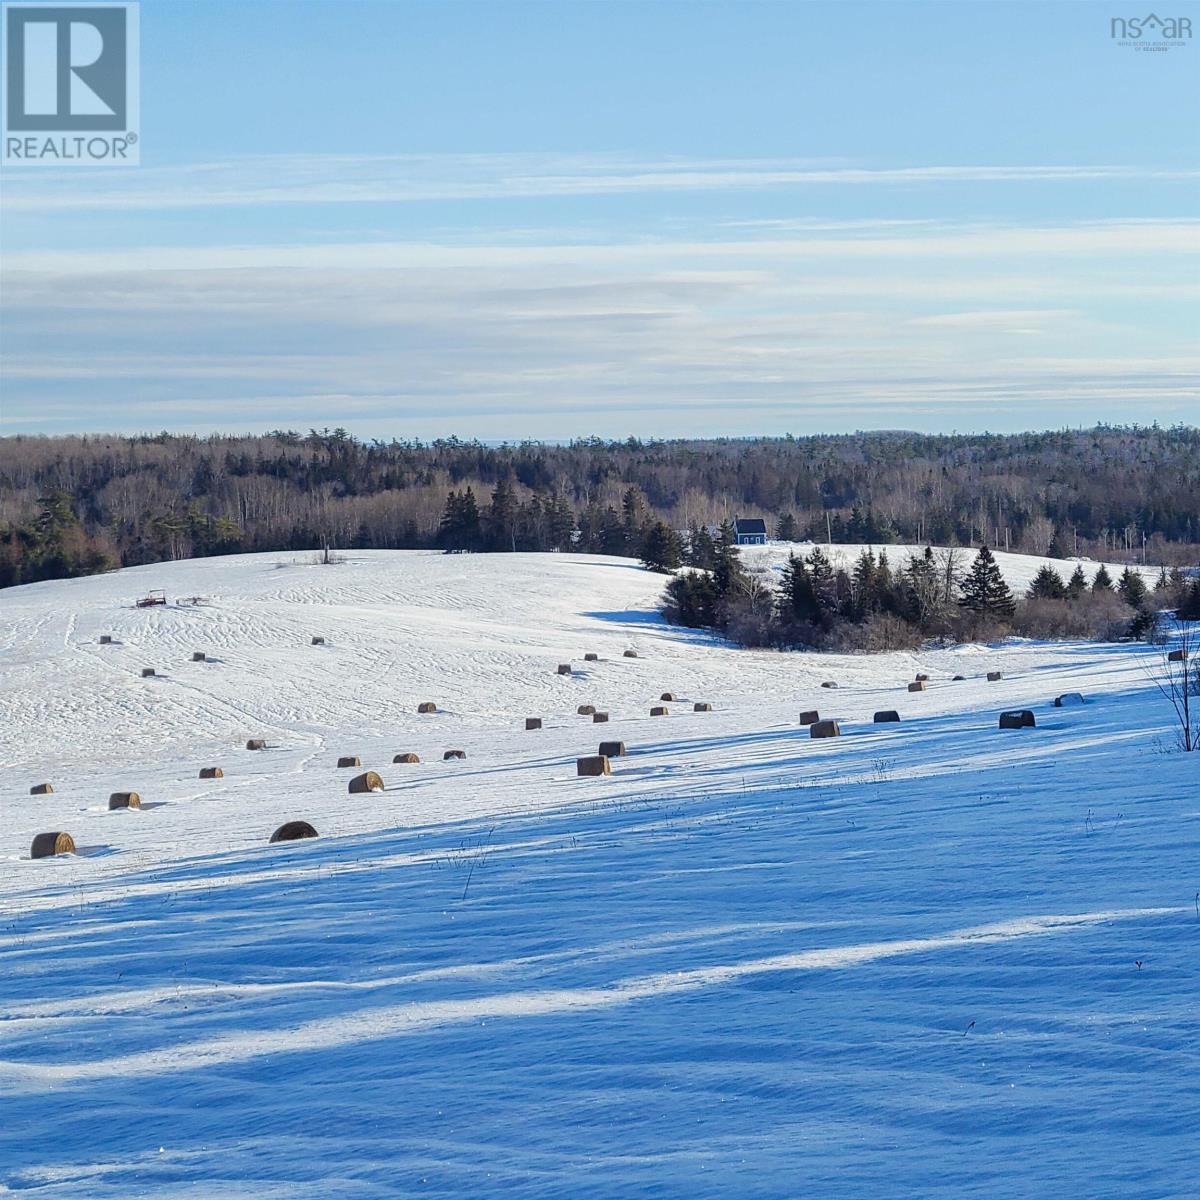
(667, 219)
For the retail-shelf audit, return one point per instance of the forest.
(81, 504)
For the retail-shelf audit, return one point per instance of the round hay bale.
(368, 781)
(593, 764)
(124, 800)
(586, 710)
(449, 754)
(41, 789)
(211, 773)
(199, 656)
(293, 831)
(667, 696)
(406, 758)
(427, 706)
(599, 718)
(256, 744)
(824, 729)
(886, 715)
(959, 679)
(612, 750)
(1068, 699)
(564, 668)
(47, 845)
(1020, 718)
(349, 760)
(659, 711)
(916, 687)
(811, 717)
(318, 641)
(147, 672)
(591, 658)
(993, 676)
(829, 684)
(106, 639)
(922, 678)
(702, 706)
(630, 654)
(1177, 655)
(533, 722)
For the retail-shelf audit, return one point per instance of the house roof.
(744, 525)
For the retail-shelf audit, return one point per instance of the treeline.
(74, 505)
(881, 605)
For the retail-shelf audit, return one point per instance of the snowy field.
(925, 959)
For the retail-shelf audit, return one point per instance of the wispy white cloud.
(362, 179)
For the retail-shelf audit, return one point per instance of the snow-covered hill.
(930, 958)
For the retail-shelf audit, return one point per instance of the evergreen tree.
(728, 571)
(1189, 607)
(702, 551)
(823, 581)
(1103, 581)
(797, 599)
(1047, 584)
(662, 549)
(983, 589)
(1131, 588)
(1077, 584)
(786, 528)
(501, 521)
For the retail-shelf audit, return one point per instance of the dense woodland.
(76, 505)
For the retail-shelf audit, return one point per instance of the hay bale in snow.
(958, 679)
(612, 750)
(47, 845)
(41, 789)
(1177, 655)
(824, 729)
(811, 717)
(1020, 718)
(916, 687)
(886, 715)
(147, 672)
(599, 718)
(256, 744)
(368, 781)
(993, 676)
(427, 706)
(702, 706)
(659, 711)
(667, 696)
(591, 658)
(407, 757)
(453, 754)
(318, 641)
(829, 684)
(630, 654)
(293, 831)
(593, 764)
(922, 678)
(211, 773)
(106, 639)
(1068, 699)
(533, 722)
(349, 760)
(199, 656)
(564, 668)
(124, 800)
(586, 710)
